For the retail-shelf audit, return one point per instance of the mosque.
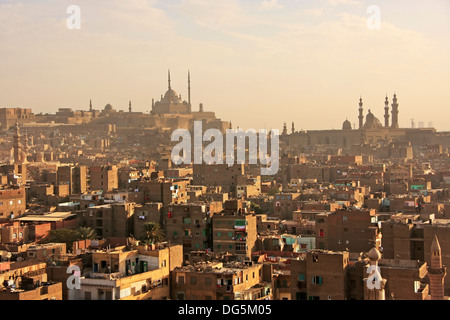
(370, 131)
(169, 113)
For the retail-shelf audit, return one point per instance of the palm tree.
(153, 233)
(86, 233)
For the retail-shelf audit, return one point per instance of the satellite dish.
(6, 255)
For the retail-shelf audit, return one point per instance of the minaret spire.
(189, 87)
(361, 115)
(394, 112)
(436, 271)
(386, 112)
(168, 78)
(170, 89)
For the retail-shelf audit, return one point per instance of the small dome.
(347, 125)
(108, 107)
(374, 254)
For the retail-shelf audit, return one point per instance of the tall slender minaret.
(170, 89)
(293, 127)
(17, 145)
(90, 105)
(361, 115)
(284, 129)
(129, 107)
(189, 89)
(394, 112)
(436, 271)
(386, 112)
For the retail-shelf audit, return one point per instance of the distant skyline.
(256, 63)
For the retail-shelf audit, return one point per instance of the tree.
(69, 236)
(153, 233)
(256, 207)
(66, 236)
(86, 233)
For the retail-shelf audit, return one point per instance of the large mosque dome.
(372, 122)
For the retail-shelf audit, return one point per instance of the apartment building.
(321, 275)
(12, 202)
(137, 273)
(355, 230)
(220, 281)
(234, 231)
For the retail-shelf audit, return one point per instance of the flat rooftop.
(51, 217)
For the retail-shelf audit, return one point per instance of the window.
(240, 223)
(180, 280)
(193, 280)
(208, 281)
(187, 220)
(301, 277)
(219, 234)
(344, 218)
(321, 233)
(300, 295)
(316, 280)
(315, 258)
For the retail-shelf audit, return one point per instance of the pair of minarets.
(189, 88)
(394, 113)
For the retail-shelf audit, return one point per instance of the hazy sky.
(256, 63)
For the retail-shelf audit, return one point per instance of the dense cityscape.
(93, 207)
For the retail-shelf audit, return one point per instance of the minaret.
(394, 112)
(386, 112)
(374, 283)
(201, 108)
(361, 115)
(170, 89)
(436, 271)
(284, 129)
(17, 145)
(189, 89)
(293, 127)
(129, 107)
(90, 105)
